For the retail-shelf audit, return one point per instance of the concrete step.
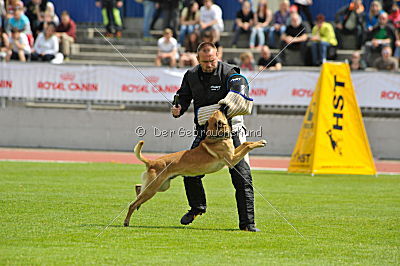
(106, 63)
(132, 57)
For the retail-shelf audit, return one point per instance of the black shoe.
(190, 216)
(250, 228)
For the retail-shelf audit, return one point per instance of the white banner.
(374, 89)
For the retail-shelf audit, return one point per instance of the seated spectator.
(381, 35)
(267, 62)
(167, 49)
(18, 48)
(189, 58)
(207, 36)
(35, 11)
(303, 6)
(46, 45)
(350, 21)
(4, 44)
(11, 6)
(323, 37)
(280, 19)
(247, 61)
(211, 19)
(295, 34)
(21, 22)
(394, 16)
(190, 20)
(244, 21)
(356, 62)
(262, 19)
(372, 18)
(47, 18)
(111, 16)
(66, 33)
(386, 61)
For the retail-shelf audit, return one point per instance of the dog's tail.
(138, 152)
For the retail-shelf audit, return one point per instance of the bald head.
(207, 55)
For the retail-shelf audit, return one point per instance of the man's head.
(284, 5)
(320, 20)
(246, 58)
(65, 18)
(386, 52)
(18, 13)
(207, 55)
(375, 7)
(50, 29)
(265, 52)
(167, 34)
(295, 20)
(355, 57)
(246, 7)
(383, 19)
(208, 3)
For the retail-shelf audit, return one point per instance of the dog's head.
(217, 126)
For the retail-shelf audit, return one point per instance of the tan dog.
(213, 153)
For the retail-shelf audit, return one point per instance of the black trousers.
(241, 180)
(306, 11)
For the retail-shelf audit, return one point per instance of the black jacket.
(204, 89)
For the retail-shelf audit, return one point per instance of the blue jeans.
(148, 11)
(319, 51)
(259, 32)
(185, 30)
(271, 35)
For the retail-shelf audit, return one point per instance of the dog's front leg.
(242, 150)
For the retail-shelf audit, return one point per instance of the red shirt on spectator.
(69, 29)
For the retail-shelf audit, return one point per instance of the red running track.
(260, 162)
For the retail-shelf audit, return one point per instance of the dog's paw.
(262, 143)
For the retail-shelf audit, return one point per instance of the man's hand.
(176, 111)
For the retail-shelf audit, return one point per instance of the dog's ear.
(206, 126)
(224, 109)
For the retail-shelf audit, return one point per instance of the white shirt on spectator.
(23, 39)
(43, 46)
(303, 2)
(214, 13)
(167, 47)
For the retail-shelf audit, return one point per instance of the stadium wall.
(116, 130)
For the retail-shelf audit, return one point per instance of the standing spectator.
(157, 14)
(356, 62)
(303, 6)
(386, 62)
(167, 50)
(244, 21)
(350, 21)
(111, 16)
(19, 48)
(149, 7)
(267, 62)
(323, 37)
(46, 45)
(66, 33)
(190, 20)
(170, 9)
(280, 19)
(295, 34)
(371, 19)
(262, 19)
(247, 61)
(211, 19)
(189, 57)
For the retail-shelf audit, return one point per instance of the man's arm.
(185, 96)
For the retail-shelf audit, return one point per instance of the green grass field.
(51, 213)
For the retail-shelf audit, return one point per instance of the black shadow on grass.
(161, 227)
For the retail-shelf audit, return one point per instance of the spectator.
(149, 7)
(262, 19)
(387, 5)
(371, 19)
(350, 21)
(394, 16)
(386, 62)
(211, 19)
(190, 20)
(21, 22)
(19, 48)
(244, 21)
(207, 36)
(157, 14)
(47, 18)
(35, 11)
(356, 62)
(66, 33)
(46, 45)
(170, 14)
(167, 49)
(11, 6)
(381, 35)
(295, 34)
(2, 12)
(267, 62)
(303, 6)
(323, 37)
(280, 19)
(189, 57)
(247, 61)
(111, 16)
(4, 44)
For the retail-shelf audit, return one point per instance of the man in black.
(295, 34)
(266, 60)
(206, 84)
(244, 21)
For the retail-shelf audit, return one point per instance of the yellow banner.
(333, 139)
